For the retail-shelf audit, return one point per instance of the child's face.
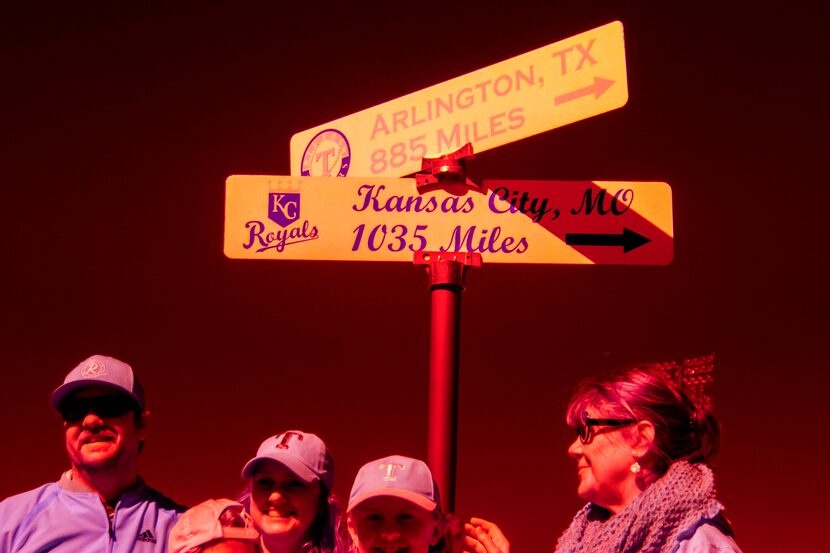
(388, 524)
(283, 507)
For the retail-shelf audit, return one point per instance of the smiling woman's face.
(604, 466)
(282, 505)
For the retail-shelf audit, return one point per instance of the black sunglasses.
(586, 424)
(74, 410)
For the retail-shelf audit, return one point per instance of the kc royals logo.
(93, 369)
(327, 155)
(284, 209)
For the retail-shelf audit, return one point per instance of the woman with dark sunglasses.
(643, 450)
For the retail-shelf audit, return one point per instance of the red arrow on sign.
(598, 88)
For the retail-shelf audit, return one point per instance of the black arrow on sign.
(629, 240)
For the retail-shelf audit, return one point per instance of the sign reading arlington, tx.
(370, 215)
(387, 219)
(541, 90)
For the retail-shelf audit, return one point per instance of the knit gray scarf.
(653, 521)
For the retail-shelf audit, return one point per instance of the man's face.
(102, 431)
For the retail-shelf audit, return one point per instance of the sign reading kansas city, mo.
(388, 219)
(546, 88)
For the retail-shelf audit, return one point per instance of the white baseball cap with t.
(303, 453)
(396, 476)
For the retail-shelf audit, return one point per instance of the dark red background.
(121, 123)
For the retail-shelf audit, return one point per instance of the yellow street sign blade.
(549, 87)
(387, 219)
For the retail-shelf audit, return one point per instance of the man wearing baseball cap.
(100, 503)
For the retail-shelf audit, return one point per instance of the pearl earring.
(635, 467)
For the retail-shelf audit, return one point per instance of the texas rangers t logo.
(328, 154)
(391, 471)
(286, 437)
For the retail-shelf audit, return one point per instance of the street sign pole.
(446, 275)
(446, 272)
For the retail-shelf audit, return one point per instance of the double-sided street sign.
(388, 219)
(372, 216)
(546, 88)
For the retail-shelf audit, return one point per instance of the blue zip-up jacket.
(56, 517)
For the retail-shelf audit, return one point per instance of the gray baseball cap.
(303, 453)
(100, 370)
(201, 525)
(396, 476)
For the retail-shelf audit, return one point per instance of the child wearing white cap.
(290, 482)
(395, 507)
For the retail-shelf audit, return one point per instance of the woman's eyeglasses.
(585, 432)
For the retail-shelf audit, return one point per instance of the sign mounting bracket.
(445, 171)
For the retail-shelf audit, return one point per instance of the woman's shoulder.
(710, 536)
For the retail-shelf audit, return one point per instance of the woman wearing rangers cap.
(290, 482)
